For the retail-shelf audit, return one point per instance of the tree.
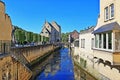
(20, 35)
(29, 36)
(35, 37)
(39, 38)
(65, 37)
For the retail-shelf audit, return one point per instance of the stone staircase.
(20, 57)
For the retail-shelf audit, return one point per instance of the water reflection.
(80, 74)
(60, 67)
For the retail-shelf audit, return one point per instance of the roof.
(75, 31)
(87, 30)
(56, 24)
(48, 31)
(107, 27)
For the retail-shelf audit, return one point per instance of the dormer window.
(111, 11)
(106, 14)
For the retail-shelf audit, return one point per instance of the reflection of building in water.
(53, 66)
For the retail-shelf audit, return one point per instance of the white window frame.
(106, 13)
(102, 47)
(82, 43)
(112, 11)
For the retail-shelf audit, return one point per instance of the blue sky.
(69, 14)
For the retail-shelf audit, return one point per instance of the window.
(106, 14)
(104, 40)
(76, 43)
(117, 40)
(92, 43)
(100, 41)
(82, 43)
(96, 41)
(111, 11)
(110, 40)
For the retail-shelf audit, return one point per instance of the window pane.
(104, 41)
(96, 41)
(106, 13)
(81, 43)
(92, 42)
(117, 41)
(110, 40)
(112, 10)
(100, 40)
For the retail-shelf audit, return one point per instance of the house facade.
(86, 42)
(99, 50)
(51, 30)
(107, 32)
(74, 35)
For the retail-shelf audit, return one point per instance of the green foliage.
(35, 37)
(65, 37)
(47, 39)
(39, 38)
(29, 36)
(22, 35)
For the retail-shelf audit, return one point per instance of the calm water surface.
(60, 67)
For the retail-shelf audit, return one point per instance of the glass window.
(106, 13)
(76, 43)
(100, 41)
(96, 41)
(104, 41)
(92, 43)
(110, 40)
(82, 43)
(111, 10)
(117, 41)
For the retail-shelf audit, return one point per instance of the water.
(60, 67)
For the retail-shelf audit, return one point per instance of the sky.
(69, 14)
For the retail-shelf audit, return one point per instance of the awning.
(107, 27)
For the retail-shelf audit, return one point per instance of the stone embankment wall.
(16, 65)
(11, 69)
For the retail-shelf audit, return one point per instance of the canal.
(59, 67)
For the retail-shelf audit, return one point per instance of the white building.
(86, 39)
(100, 48)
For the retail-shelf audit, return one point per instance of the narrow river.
(60, 67)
